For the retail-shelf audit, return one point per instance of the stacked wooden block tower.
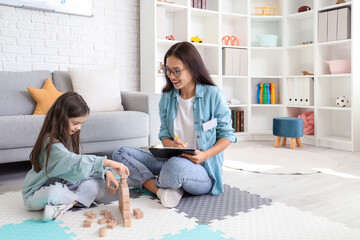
(124, 201)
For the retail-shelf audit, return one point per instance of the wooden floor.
(335, 196)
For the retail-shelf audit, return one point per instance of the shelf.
(233, 16)
(206, 45)
(335, 75)
(262, 132)
(237, 105)
(266, 18)
(335, 6)
(300, 46)
(230, 46)
(299, 106)
(334, 43)
(267, 76)
(241, 133)
(203, 12)
(335, 108)
(301, 15)
(299, 76)
(267, 48)
(266, 105)
(234, 77)
(171, 7)
(338, 139)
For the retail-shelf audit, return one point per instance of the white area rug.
(282, 160)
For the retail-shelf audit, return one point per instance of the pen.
(177, 138)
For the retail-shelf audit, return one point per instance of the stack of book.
(237, 117)
(198, 4)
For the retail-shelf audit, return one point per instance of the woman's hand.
(199, 157)
(119, 168)
(175, 144)
(111, 178)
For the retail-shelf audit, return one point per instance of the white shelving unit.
(334, 127)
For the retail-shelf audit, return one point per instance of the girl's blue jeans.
(174, 173)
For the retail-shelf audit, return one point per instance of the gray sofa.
(138, 125)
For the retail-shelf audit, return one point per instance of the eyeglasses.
(176, 72)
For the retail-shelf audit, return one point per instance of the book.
(238, 121)
(241, 121)
(164, 153)
(203, 4)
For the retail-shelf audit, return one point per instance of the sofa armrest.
(147, 103)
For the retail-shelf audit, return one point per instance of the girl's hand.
(119, 168)
(111, 178)
(167, 142)
(199, 157)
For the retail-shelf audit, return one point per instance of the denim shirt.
(209, 104)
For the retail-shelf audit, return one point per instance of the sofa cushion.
(100, 126)
(62, 81)
(44, 97)
(116, 125)
(14, 98)
(20, 131)
(99, 88)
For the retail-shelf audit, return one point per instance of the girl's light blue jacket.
(63, 165)
(209, 104)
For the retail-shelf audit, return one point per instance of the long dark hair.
(56, 125)
(189, 55)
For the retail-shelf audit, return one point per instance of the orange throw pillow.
(44, 97)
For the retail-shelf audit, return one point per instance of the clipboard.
(163, 154)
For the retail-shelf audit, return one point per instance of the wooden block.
(123, 181)
(283, 141)
(88, 213)
(125, 191)
(87, 224)
(111, 225)
(138, 213)
(93, 216)
(125, 206)
(112, 190)
(127, 222)
(102, 221)
(102, 232)
(277, 142)
(107, 214)
(126, 214)
(102, 212)
(108, 220)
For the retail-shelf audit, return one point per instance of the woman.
(194, 110)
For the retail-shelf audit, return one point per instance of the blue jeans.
(174, 173)
(84, 191)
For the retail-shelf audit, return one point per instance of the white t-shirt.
(184, 122)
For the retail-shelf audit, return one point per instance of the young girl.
(61, 176)
(194, 110)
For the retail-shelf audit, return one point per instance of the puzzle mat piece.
(109, 199)
(36, 229)
(13, 209)
(279, 221)
(207, 208)
(199, 232)
(157, 221)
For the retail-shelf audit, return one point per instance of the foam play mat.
(236, 214)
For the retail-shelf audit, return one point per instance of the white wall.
(37, 40)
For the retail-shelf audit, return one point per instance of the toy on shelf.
(341, 101)
(196, 40)
(170, 37)
(304, 9)
(268, 11)
(308, 122)
(164, 1)
(307, 42)
(340, 1)
(161, 68)
(234, 41)
(306, 73)
(265, 93)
